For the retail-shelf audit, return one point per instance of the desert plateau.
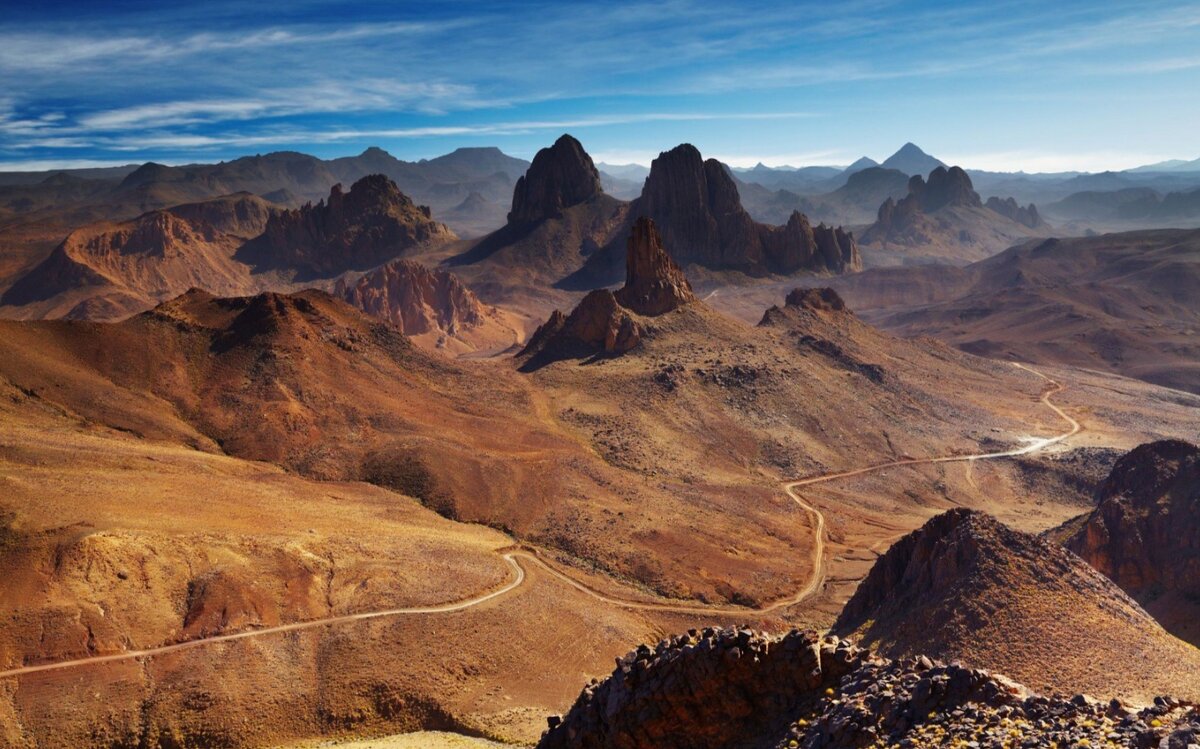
(564, 376)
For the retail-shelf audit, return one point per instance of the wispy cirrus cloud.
(42, 51)
(168, 81)
(139, 142)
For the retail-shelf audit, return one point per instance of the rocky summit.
(654, 284)
(699, 212)
(560, 176)
(1011, 209)
(369, 225)
(720, 688)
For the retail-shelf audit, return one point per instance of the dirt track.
(510, 557)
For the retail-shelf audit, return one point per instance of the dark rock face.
(1009, 208)
(823, 298)
(598, 324)
(654, 284)
(944, 187)
(696, 205)
(560, 176)
(706, 688)
(602, 322)
(369, 225)
(736, 688)
(1145, 531)
(414, 298)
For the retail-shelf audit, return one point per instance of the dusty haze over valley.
(599, 376)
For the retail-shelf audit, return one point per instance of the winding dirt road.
(814, 583)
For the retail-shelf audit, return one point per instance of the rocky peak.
(560, 176)
(696, 207)
(371, 224)
(945, 187)
(735, 687)
(1010, 209)
(1145, 531)
(604, 322)
(654, 284)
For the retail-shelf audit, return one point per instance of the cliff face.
(414, 298)
(560, 176)
(1145, 531)
(696, 205)
(155, 256)
(369, 225)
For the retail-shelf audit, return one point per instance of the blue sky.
(1001, 85)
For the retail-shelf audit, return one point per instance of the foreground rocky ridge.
(966, 587)
(735, 687)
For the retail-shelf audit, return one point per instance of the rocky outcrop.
(560, 176)
(822, 299)
(945, 188)
(734, 687)
(699, 212)
(705, 688)
(654, 284)
(1010, 209)
(414, 298)
(943, 217)
(1145, 531)
(369, 225)
(609, 323)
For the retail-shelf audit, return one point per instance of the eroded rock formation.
(654, 284)
(369, 225)
(414, 298)
(560, 176)
(1009, 208)
(696, 205)
(734, 687)
(608, 323)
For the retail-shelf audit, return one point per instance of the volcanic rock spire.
(560, 176)
(654, 284)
